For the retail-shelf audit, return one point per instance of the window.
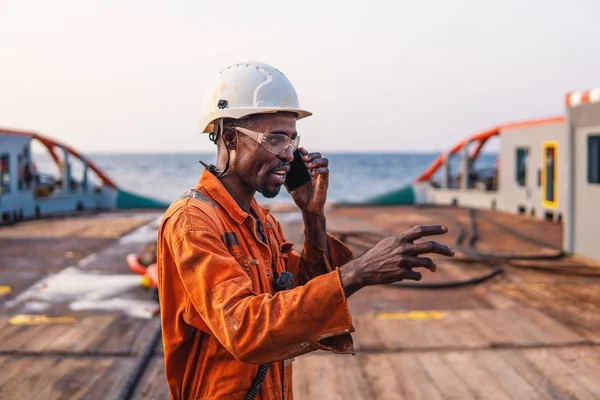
(521, 167)
(594, 159)
(550, 174)
(25, 170)
(4, 174)
(19, 174)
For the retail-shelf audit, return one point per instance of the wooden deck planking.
(525, 330)
(366, 337)
(416, 382)
(507, 376)
(575, 307)
(8, 332)
(46, 338)
(30, 378)
(381, 375)
(159, 349)
(510, 328)
(461, 323)
(482, 383)
(443, 376)
(455, 357)
(484, 297)
(548, 386)
(71, 378)
(560, 374)
(585, 360)
(483, 374)
(463, 329)
(122, 335)
(10, 367)
(329, 377)
(495, 329)
(392, 376)
(111, 380)
(91, 334)
(83, 335)
(19, 338)
(145, 332)
(548, 325)
(398, 334)
(152, 385)
(81, 227)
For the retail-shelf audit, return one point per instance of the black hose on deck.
(478, 256)
(559, 253)
(133, 379)
(496, 270)
(460, 238)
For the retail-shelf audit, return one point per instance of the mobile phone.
(298, 175)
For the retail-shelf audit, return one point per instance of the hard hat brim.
(207, 123)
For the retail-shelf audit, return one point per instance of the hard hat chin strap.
(217, 131)
(214, 137)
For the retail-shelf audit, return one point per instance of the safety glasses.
(273, 143)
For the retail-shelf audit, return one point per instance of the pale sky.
(128, 76)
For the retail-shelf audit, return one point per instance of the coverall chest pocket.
(285, 249)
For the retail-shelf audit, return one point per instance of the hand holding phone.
(298, 174)
(309, 178)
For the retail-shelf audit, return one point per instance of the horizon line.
(104, 152)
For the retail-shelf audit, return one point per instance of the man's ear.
(230, 138)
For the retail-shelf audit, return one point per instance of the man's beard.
(268, 193)
(263, 185)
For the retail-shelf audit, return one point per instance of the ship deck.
(532, 332)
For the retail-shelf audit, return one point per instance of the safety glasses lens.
(274, 143)
(277, 144)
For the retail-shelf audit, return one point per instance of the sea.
(354, 177)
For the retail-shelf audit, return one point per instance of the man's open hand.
(394, 258)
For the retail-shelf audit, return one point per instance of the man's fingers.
(304, 153)
(319, 162)
(411, 275)
(433, 247)
(423, 230)
(311, 156)
(418, 262)
(319, 171)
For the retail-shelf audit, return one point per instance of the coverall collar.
(221, 196)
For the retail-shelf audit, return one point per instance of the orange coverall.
(220, 317)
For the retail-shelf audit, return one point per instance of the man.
(229, 332)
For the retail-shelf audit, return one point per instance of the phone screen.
(298, 174)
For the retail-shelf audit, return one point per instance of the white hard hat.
(248, 88)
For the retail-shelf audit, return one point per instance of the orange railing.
(481, 138)
(51, 144)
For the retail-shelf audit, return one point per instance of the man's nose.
(287, 155)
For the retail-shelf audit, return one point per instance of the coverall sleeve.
(313, 261)
(257, 328)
